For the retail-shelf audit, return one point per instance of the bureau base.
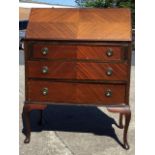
(122, 110)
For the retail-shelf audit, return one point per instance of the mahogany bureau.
(80, 57)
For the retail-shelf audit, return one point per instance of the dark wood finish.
(56, 69)
(127, 113)
(26, 113)
(76, 69)
(121, 121)
(98, 71)
(77, 93)
(78, 52)
(80, 24)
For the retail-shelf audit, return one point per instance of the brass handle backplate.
(109, 71)
(45, 91)
(108, 93)
(109, 52)
(44, 51)
(44, 69)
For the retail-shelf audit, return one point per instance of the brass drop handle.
(109, 52)
(109, 71)
(45, 91)
(44, 51)
(108, 93)
(44, 69)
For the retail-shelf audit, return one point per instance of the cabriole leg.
(127, 121)
(121, 121)
(26, 115)
(124, 111)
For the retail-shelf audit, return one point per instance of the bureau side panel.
(128, 52)
(27, 50)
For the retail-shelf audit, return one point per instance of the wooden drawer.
(44, 91)
(103, 53)
(77, 70)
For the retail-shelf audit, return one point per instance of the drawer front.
(54, 52)
(77, 70)
(44, 91)
(103, 53)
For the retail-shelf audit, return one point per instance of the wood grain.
(77, 70)
(75, 92)
(78, 52)
(77, 63)
(80, 24)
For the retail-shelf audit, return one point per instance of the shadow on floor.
(74, 119)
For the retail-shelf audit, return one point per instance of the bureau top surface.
(80, 24)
